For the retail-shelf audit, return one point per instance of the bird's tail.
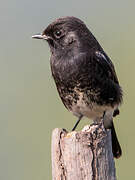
(116, 149)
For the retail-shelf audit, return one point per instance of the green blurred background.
(29, 104)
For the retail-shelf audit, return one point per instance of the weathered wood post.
(84, 155)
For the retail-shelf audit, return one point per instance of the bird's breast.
(83, 91)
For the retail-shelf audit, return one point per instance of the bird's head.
(64, 33)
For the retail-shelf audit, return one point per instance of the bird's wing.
(108, 68)
(107, 65)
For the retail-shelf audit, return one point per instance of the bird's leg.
(103, 115)
(107, 119)
(103, 119)
(77, 122)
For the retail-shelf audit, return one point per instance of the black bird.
(84, 75)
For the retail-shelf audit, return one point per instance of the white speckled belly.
(91, 111)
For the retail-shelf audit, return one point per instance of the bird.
(84, 75)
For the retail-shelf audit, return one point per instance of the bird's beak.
(40, 36)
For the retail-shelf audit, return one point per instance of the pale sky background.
(29, 104)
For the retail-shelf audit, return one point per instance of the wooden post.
(84, 155)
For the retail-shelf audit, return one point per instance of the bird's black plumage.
(84, 75)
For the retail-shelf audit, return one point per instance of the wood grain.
(84, 155)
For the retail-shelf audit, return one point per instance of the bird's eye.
(57, 33)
